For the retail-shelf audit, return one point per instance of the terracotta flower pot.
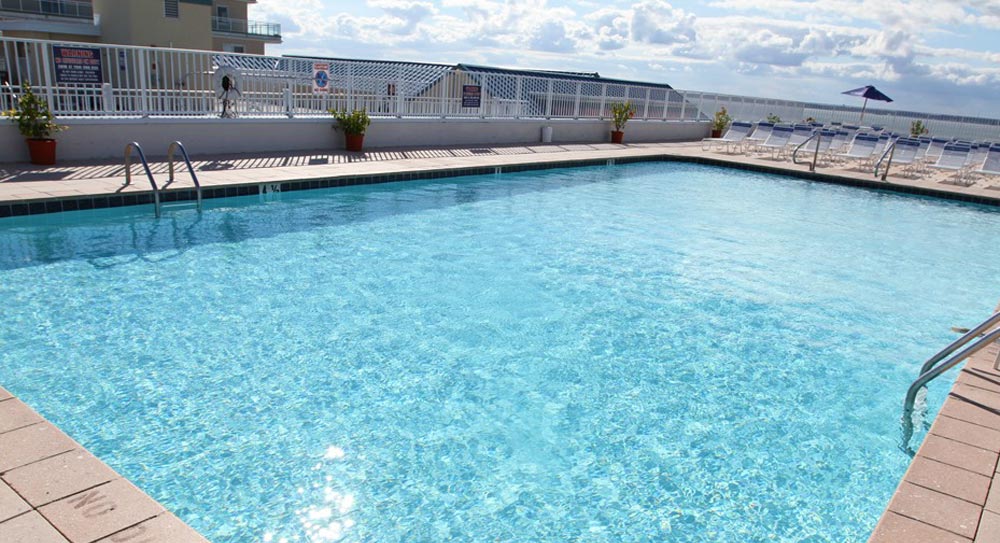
(716, 133)
(43, 152)
(617, 136)
(355, 142)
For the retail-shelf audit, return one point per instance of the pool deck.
(51, 489)
(26, 189)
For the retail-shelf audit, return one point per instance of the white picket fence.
(130, 81)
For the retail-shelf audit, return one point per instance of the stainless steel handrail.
(149, 174)
(187, 160)
(933, 368)
(812, 165)
(890, 150)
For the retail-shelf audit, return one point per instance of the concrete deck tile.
(976, 378)
(896, 528)
(993, 499)
(31, 444)
(60, 476)
(11, 505)
(15, 414)
(989, 528)
(4, 395)
(957, 454)
(937, 509)
(965, 432)
(101, 511)
(949, 480)
(29, 528)
(962, 405)
(165, 528)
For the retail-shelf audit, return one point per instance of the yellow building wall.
(142, 22)
(254, 47)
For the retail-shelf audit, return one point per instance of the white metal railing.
(62, 8)
(133, 81)
(240, 26)
(148, 81)
(747, 108)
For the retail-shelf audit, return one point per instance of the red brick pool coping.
(48, 482)
(53, 491)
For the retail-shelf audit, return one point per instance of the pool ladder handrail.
(174, 146)
(816, 135)
(149, 174)
(938, 364)
(187, 160)
(890, 150)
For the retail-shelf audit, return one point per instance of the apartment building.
(215, 25)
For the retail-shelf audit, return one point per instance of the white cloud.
(906, 43)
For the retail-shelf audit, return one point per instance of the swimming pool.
(647, 352)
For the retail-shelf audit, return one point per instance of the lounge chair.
(934, 149)
(991, 164)
(738, 131)
(903, 153)
(954, 158)
(840, 141)
(760, 134)
(800, 133)
(777, 142)
(861, 149)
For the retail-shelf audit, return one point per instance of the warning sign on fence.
(472, 95)
(321, 77)
(78, 65)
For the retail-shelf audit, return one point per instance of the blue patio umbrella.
(868, 92)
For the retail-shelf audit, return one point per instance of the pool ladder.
(941, 362)
(174, 146)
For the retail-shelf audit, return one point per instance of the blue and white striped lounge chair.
(777, 142)
(934, 149)
(760, 134)
(861, 149)
(991, 164)
(904, 153)
(737, 133)
(954, 158)
(800, 133)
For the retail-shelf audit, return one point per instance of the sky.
(937, 56)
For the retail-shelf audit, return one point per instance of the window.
(233, 48)
(222, 12)
(170, 9)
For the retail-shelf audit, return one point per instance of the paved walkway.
(25, 184)
(48, 484)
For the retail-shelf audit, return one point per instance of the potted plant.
(720, 122)
(773, 119)
(918, 128)
(354, 124)
(621, 113)
(37, 124)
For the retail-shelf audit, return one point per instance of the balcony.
(250, 29)
(75, 9)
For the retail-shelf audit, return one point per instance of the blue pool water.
(651, 352)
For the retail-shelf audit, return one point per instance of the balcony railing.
(59, 8)
(249, 28)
